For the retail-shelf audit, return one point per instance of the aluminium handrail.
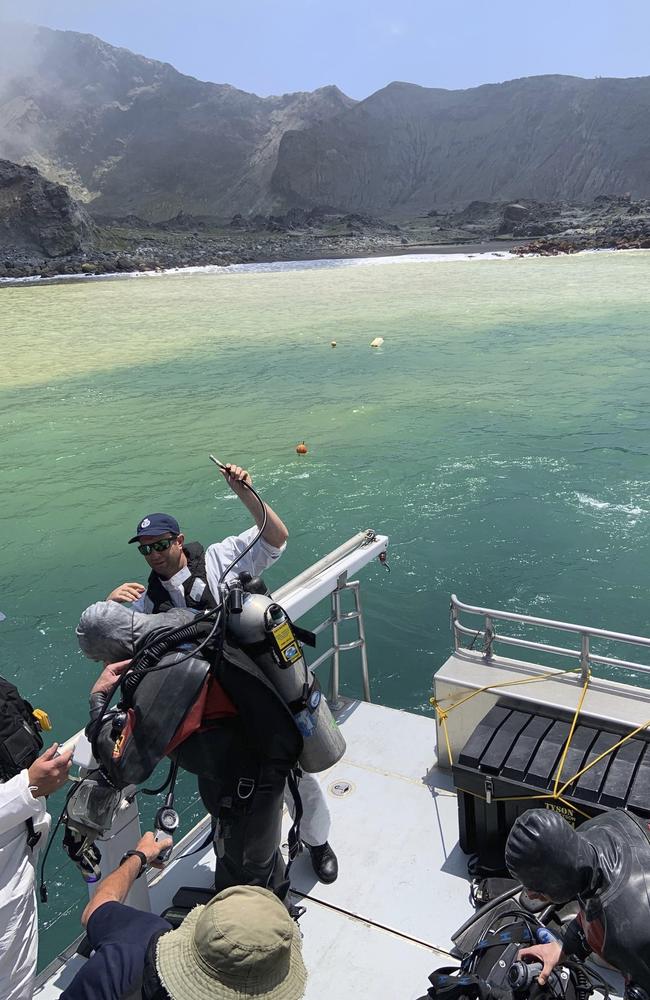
(586, 632)
(550, 623)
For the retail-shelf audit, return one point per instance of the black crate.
(514, 752)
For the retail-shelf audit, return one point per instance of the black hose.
(161, 788)
(485, 909)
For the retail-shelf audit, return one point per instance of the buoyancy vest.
(197, 592)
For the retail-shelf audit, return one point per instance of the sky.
(279, 46)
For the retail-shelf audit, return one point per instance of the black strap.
(293, 780)
(32, 836)
(304, 635)
(298, 704)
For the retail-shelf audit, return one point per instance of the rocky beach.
(45, 232)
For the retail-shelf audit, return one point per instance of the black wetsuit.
(242, 764)
(605, 864)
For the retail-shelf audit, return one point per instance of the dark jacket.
(197, 592)
(605, 864)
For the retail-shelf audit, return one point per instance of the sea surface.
(500, 437)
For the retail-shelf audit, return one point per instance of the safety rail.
(334, 621)
(584, 654)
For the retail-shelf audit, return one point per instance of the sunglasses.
(160, 546)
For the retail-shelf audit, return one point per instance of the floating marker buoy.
(377, 342)
(333, 344)
(301, 448)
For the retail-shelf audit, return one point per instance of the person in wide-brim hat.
(243, 943)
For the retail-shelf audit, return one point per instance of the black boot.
(324, 862)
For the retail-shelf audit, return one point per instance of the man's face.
(538, 896)
(170, 560)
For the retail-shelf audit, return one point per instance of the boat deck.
(387, 921)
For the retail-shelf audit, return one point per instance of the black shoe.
(324, 862)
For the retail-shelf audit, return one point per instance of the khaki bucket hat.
(243, 943)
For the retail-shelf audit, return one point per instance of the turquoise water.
(499, 436)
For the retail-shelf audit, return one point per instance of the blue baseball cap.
(156, 524)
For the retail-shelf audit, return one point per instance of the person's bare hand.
(126, 593)
(548, 954)
(237, 478)
(109, 677)
(151, 848)
(49, 772)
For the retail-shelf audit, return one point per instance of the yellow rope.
(531, 679)
(558, 790)
(571, 732)
(605, 753)
(443, 714)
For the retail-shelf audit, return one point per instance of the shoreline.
(488, 249)
(414, 253)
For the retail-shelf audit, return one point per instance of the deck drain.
(340, 788)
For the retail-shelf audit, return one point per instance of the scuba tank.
(265, 632)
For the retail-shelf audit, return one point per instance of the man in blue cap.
(185, 575)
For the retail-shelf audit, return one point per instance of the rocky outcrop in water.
(38, 219)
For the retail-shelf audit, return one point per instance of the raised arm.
(275, 532)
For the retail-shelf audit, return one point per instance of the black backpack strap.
(32, 836)
(293, 780)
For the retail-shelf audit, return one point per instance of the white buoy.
(377, 342)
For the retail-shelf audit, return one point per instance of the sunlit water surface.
(499, 436)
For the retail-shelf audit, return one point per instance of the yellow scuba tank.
(265, 632)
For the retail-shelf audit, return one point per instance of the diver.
(216, 716)
(184, 574)
(605, 866)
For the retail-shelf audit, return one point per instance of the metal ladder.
(335, 618)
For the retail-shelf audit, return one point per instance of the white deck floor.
(386, 923)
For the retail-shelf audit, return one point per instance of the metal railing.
(583, 655)
(334, 620)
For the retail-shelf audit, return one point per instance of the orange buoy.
(301, 448)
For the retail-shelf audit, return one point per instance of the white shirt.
(18, 915)
(217, 558)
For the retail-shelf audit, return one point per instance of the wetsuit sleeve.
(574, 941)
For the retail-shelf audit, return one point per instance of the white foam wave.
(268, 267)
(621, 508)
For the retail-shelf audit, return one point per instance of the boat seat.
(185, 899)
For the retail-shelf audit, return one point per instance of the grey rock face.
(132, 135)
(409, 150)
(38, 216)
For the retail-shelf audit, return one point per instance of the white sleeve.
(221, 554)
(17, 804)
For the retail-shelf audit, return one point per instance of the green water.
(500, 437)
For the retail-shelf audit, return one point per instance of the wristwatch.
(137, 854)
